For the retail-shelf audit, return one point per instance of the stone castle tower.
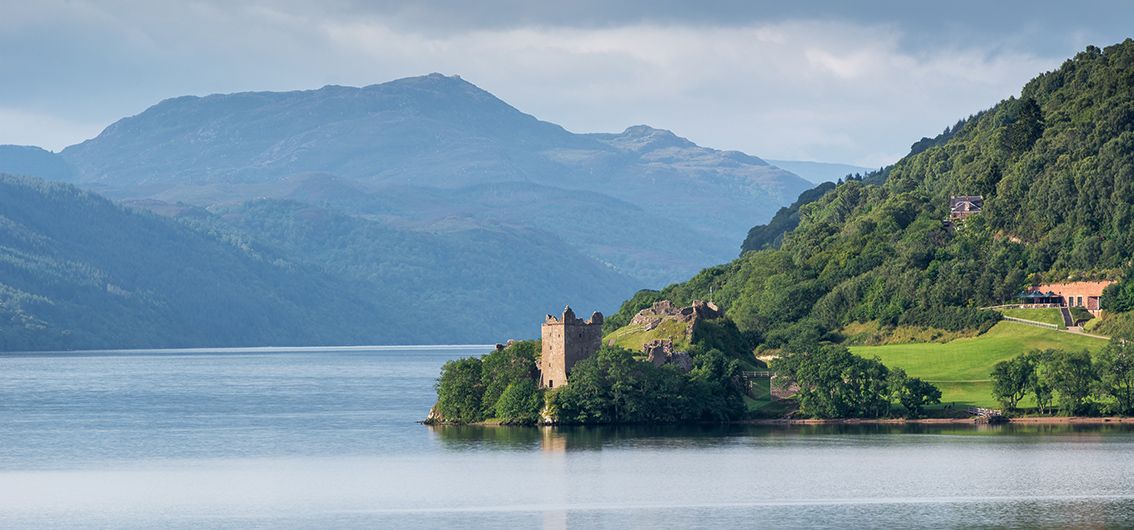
(567, 341)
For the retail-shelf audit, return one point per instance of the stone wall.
(660, 351)
(650, 317)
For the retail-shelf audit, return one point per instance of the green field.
(961, 368)
(1047, 315)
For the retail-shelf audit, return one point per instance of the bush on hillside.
(834, 383)
(951, 318)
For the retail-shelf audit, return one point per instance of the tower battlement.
(567, 340)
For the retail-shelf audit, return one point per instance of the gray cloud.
(831, 81)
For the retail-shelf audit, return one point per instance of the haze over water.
(327, 437)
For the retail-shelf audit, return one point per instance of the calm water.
(327, 438)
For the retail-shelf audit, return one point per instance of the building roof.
(966, 203)
(1075, 288)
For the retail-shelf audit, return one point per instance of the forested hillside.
(1055, 166)
(77, 271)
(461, 282)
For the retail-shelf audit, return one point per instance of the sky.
(834, 81)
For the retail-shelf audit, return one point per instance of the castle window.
(550, 383)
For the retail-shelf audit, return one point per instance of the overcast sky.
(830, 81)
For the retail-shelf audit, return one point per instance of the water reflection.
(597, 437)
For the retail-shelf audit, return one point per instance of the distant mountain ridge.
(433, 130)
(427, 208)
(819, 172)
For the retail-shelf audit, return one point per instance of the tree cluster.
(614, 387)
(834, 383)
(501, 385)
(1069, 382)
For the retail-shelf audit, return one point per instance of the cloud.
(836, 84)
(816, 90)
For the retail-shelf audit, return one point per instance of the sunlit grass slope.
(961, 368)
(632, 336)
(1047, 315)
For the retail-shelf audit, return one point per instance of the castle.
(566, 341)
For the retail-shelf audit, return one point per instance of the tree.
(460, 392)
(1012, 379)
(1041, 384)
(1115, 368)
(833, 383)
(713, 386)
(612, 386)
(1071, 376)
(1119, 297)
(501, 368)
(519, 403)
(1024, 125)
(912, 393)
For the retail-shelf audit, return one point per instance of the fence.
(1032, 322)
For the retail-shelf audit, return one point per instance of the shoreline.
(1024, 420)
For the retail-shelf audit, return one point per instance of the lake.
(326, 437)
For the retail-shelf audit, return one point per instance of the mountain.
(819, 172)
(443, 136)
(1055, 167)
(78, 271)
(618, 235)
(30, 160)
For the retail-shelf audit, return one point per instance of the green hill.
(1056, 169)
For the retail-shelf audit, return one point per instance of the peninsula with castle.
(657, 361)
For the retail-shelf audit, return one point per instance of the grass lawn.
(961, 368)
(1047, 315)
(632, 337)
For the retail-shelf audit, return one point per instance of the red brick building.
(1087, 295)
